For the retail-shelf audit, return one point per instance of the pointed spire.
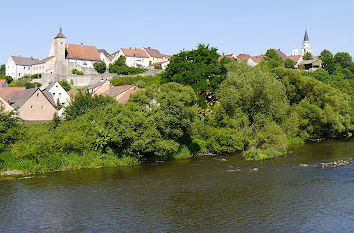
(60, 34)
(306, 37)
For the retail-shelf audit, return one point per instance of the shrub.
(100, 67)
(65, 84)
(77, 72)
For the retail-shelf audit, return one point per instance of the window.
(37, 94)
(59, 95)
(53, 94)
(31, 106)
(24, 68)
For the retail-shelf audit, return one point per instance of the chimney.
(82, 45)
(223, 54)
(149, 47)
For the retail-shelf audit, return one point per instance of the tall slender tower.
(306, 44)
(57, 50)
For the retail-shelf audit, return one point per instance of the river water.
(210, 194)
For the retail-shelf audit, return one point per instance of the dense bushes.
(100, 67)
(140, 81)
(119, 67)
(21, 82)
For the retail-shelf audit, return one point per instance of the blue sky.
(231, 26)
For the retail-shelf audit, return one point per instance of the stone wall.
(84, 80)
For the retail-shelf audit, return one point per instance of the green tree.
(289, 63)
(119, 67)
(198, 68)
(9, 128)
(65, 84)
(2, 69)
(272, 59)
(321, 75)
(9, 79)
(343, 59)
(323, 111)
(327, 61)
(83, 102)
(100, 67)
(308, 56)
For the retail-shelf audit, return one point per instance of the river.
(209, 194)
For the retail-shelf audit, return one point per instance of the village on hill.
(92, 68)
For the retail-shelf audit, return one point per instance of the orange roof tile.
(258, 58)
(135, 53)
(82, 52)
(243, 57)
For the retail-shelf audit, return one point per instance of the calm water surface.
(215, 194)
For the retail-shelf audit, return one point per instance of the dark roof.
(306, 62)
(306, 37)
(18, 96)
(3, 83)
(60, 34)
(24, 61)
(104, 52)
(153, 52)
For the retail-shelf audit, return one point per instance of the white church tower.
(306, 44)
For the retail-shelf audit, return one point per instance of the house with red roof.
(135, 57)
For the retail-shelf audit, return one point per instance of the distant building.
(297, 59)
(30, 104)
(306, 44)
(59, 95)
(120, 93)
(17, 67)
(154, 55)
(135, 57)
(312, 65)
(163, 64)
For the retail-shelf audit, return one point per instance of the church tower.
(58, 50)
(306, 44)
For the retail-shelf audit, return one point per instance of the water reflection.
(205, 194)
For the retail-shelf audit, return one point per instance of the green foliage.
(198, 68)
(308, 56)
(24, 83)
(77, 72)
(119, 67)
(327, 61)
(343, 59)
(9, 79)
(8, 128)
(140, 81)
(321, 75)
(158, 67)
(2, 69)
(272, 59)
(83, 102)
(65, 84)
(289, 63)
(100, 67)
(323, 111)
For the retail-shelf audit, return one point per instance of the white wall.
(82, 63)
(10, 69)
(17, 71)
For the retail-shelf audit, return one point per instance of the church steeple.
(60, 34)
(306, 37)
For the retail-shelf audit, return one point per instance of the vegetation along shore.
(201, 104)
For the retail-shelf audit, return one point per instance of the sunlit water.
(211, 194)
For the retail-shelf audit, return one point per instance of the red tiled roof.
(43, 61)
(227, 55)
(258, 58)
(82, 52)
(243, 57)
(158, 63)
(294, 58)
(135, 53)
(153, 52)
(281, 54)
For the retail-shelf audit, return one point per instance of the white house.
(17, 67)
(104, 55)
(163, 64)
(135, 57)
(255, 60)
(59, 95)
